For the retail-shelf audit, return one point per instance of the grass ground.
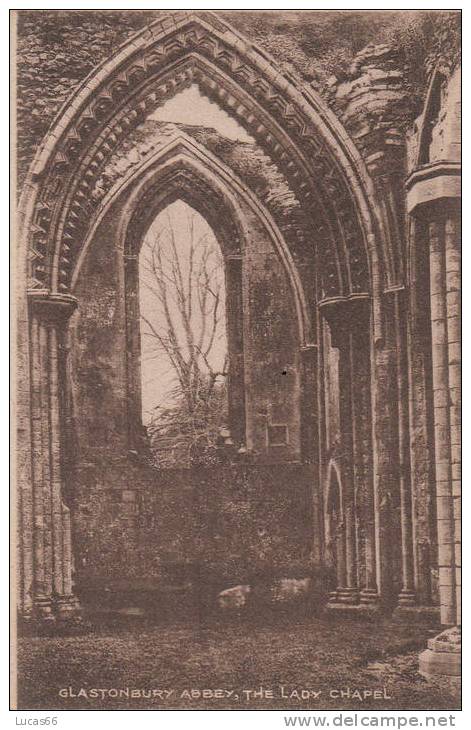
(292, 662)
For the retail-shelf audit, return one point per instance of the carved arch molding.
(301, 136)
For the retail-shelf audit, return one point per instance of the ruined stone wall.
(446, 134)
(390, 429)
(57, 49)
(131, 521)
(434, 206)
(98, 358)
(135, 527)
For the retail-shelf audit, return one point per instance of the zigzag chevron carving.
(143, 81)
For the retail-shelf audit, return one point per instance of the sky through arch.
(191, 107)
(182, 307)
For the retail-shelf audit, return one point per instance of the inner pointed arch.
(307, 139)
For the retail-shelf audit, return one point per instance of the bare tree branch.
(183, 283)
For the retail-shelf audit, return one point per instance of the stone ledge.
(443, 656)
(417, 615)
(433, 663)
(367, 612)
(432, 183)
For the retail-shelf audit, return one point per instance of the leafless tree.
(184, 318)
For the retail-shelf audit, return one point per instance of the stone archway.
(183, 170)
(342, 249)
(302, 136)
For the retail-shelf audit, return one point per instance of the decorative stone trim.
(183, 167)
(296, 130)
(52, 307)
(433, 182)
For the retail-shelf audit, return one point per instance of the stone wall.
(98, 362)
(137, 527)
(370, 432)
(445, 142)
(132, 523)
(57, 49)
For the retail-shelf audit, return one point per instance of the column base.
(67, 607)
(345, 596)
(369, 597)
(52, 616)
(407, 598)
(417, 615)
(359, 611)
(350, 603)
(442, 658)
(43, 609)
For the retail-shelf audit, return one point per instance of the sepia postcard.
(236, 267)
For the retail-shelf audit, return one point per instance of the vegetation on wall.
(248, 161)
(180, 435)
(58, 49)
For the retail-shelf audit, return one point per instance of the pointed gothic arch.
(183, 170)
(153, 184)
(298, 131)
(60, 206)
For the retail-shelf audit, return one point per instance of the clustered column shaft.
(52, 558)
(444, 272)
(236, 386)
(355, 522)
(407, 596)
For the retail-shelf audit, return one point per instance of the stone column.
(52, 559)
(421, 418)
(350, 593)
(442, 373)
(136, 436)
(42, 589)
(340, 321)
(442, 655)
(309, 403)
(360, 371)
(385, 456)
(407, 594)
(453, 307)
(235, 342)
(341, 559)
(310, 436)
(433, 200)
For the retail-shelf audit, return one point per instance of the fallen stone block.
(235, 597)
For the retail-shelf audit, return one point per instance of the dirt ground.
(315, 663)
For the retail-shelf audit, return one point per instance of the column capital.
(345, 315)
(51, 307)
(433, 183)
(309, 348)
